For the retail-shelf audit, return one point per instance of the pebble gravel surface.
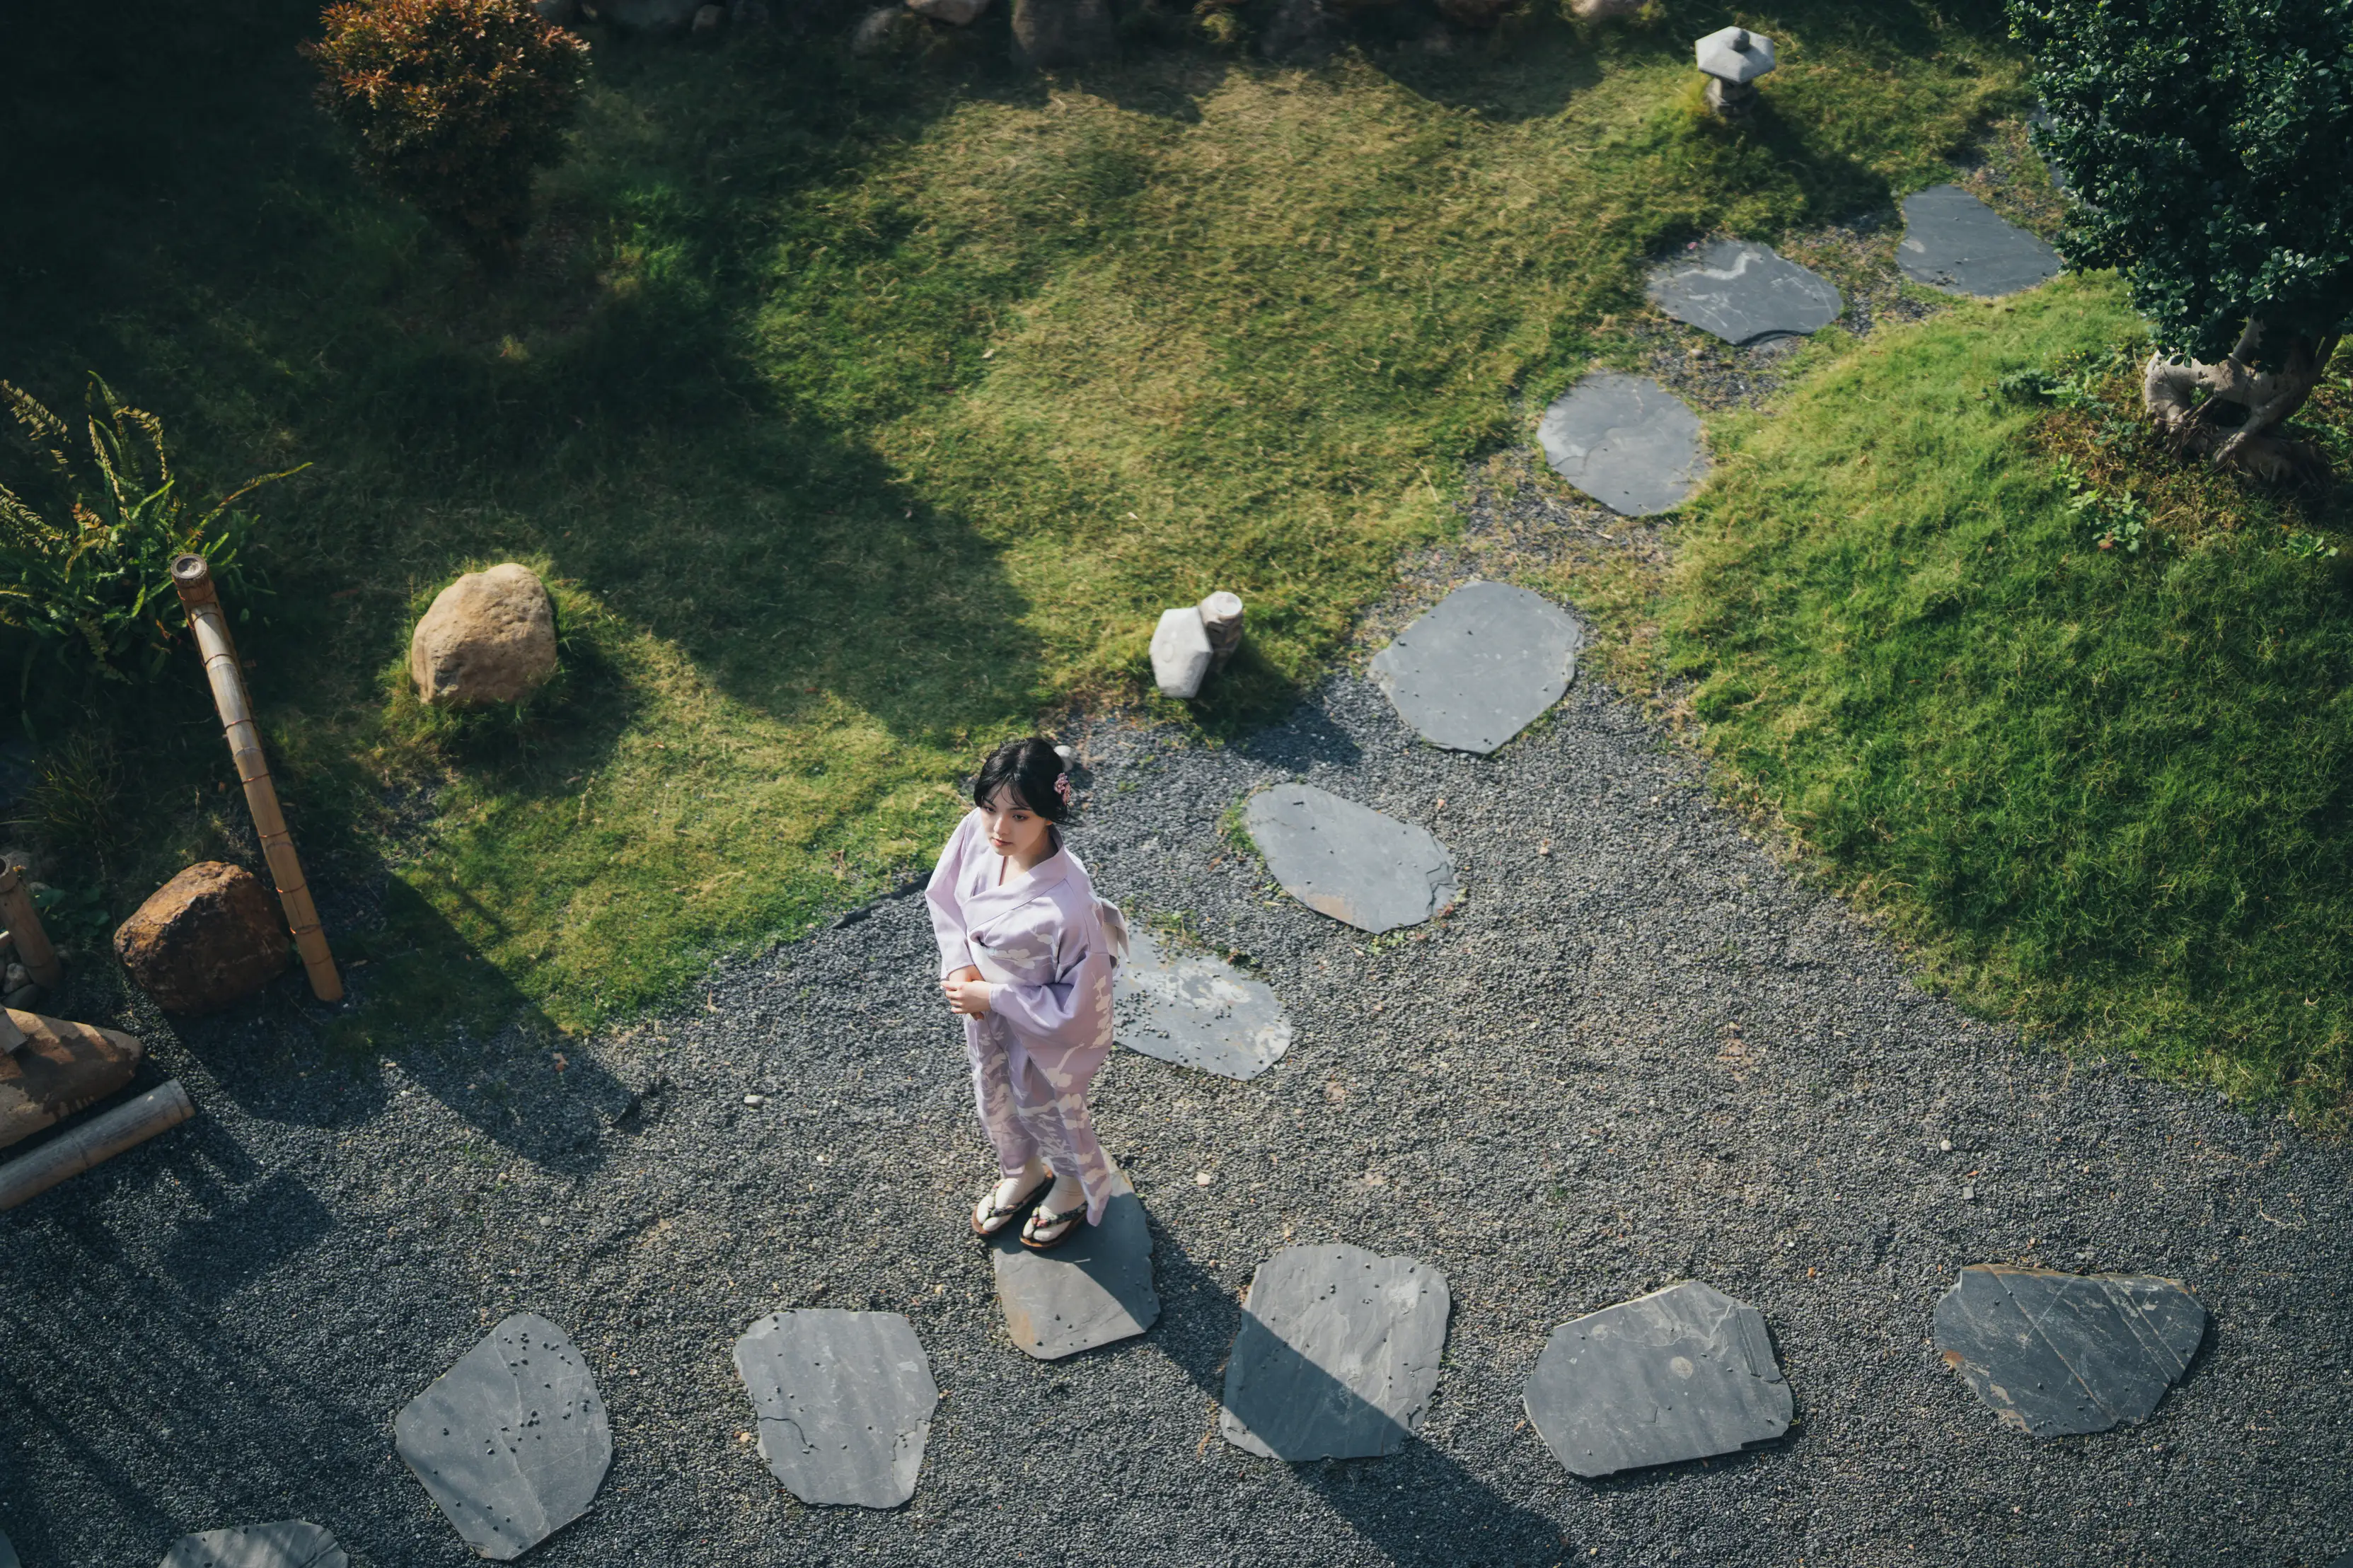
(1639, 1050)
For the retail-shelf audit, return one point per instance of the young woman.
(1027, 953)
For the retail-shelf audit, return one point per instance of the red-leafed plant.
(454, 104)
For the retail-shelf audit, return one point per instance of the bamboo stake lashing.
(94, 1142)
(33, 949)
(194, 578)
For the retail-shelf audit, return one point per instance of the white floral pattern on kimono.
(1047, 948)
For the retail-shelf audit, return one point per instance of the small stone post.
(194, 579)
(1221, 618)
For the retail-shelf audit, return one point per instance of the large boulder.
(490, 637)
(208, 937)
(1051, 33)
(1297, 32)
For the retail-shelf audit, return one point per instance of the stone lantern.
(1732, 59)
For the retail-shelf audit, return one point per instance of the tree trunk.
(2249, 394)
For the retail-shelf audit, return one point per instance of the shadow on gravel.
(244, 1236)
(1307, 738)
(1418, 1506)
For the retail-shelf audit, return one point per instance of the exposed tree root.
(2227, 411)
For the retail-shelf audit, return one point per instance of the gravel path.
(1638, 1051)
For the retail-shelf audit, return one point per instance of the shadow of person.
(1412, 1500)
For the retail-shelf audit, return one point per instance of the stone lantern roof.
(1734, 55)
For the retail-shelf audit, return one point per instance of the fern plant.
(85, 547)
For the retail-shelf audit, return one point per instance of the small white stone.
(1969, 1195)
(1180, 652)
(1202, 1179)
(755, 1099)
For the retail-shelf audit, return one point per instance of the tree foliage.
(2209, 142)
(454, 103)
(88, 536)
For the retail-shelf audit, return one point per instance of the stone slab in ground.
(1337, 1354)
(1349, 861)
(512, 1442)
(1955, 242)
(1481, 666)
(2057, 1354)
(1626, 441)
(1744, 293)
(1093, 1289)
(844, 1401)
(289, 1544)
(1197, 1011)
(8, 1558)
(1681, 1374)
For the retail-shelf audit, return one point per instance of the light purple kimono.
(1047, 948)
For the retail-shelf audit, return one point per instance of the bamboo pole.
(100, 1138)
(33, 949)
(194, 579)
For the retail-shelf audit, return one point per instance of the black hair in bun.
(1029, 769)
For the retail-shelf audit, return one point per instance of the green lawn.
(2109, 790)
(864, 413)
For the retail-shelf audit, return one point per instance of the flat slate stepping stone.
(1955, 242)
(7, 1552)
(1092, 1290)
(1627, 442)
(289, 1544)
(1481, 666)
(1745, 292)
(844, 1401)
(2057, 1354)
(1193, 1010)
(1349, 861)
(1681, 1374)
(1337, 1355)
(512, 1441)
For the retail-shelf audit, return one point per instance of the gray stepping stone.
(1481, 666)
(1681, 1374)
(2057, 1354)
(289, 1544)
(1092, 1290)
(1955, 242)
(1349, 861)
(7, 1552)
(1627, 442)
(1337, 1355)
(512, 1441)
(844, 1401)
(1745, 292)
(1193, 1010)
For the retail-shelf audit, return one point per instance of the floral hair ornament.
(1062, 787)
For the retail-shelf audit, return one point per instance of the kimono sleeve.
(1073, 1010)
(947, 904)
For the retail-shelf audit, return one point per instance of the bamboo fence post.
(33, 949)
(194, 579)
(100, 1138)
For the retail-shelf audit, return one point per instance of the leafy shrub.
(454, 103)
(85, 547)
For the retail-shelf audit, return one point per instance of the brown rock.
(208, 936)
(489, 637)
(60, 1068)
(1047, 33)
